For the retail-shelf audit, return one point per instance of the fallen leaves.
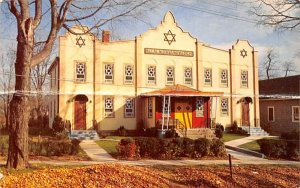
(106, 175)
(116, 175)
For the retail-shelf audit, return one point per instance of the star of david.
(243, 53)
(170, 37)
(80, 41)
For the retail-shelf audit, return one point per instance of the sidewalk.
(238, 142)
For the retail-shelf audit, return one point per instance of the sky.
(218, 23)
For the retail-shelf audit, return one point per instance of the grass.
(109, 146)
(251, 146)
(230, 136)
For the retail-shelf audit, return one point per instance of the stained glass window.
(108, 73)
(109, 107)
(199, 107)
(224, 77)
(128, 76)
(170, 75)
(188, 76)
(80, 71)
(224, 106)
(244, 78)
(129, 108)
(151, 73)
(207, 77)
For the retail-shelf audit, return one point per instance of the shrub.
(150, 132)
(121, 131)
(127, 148)
(217, 148)
(42, 131)
(234, 127)
(54, 147)
(148, 146)
(202, 146)
(294, 135)
(273, 148)
(183, 147)
(171, 133)
(219, 130)
(58, 124)
(292, 149)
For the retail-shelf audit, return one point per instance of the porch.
(178, 107)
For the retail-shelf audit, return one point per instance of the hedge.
(288, 149)
(172, 148)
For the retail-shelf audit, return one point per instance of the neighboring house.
(280, 104)
(164, 77)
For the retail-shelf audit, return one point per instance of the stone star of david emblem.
(170, 37)
(243, 53)
(80, 41)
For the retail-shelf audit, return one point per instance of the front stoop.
(255, 131)
(84, 135)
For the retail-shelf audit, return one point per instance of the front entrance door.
(183, 112)
(245, 114)
(80, 113)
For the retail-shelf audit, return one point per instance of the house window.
(207, 77)
(296, 113)
(188, 75)
(109, 73)
(80, 71)
(170, 75)
(224, 106)
(108, 107)
(271, 116)
(244, 79)
(150, 108)
(199, 107)
(129, 108)
(128, 76)
(224, 77)
(151, 73)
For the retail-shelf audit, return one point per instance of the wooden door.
(80, 115)
(183, 112)
(245, 114)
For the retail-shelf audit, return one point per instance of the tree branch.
(38, 13)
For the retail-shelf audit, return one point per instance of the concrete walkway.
(95, 152)
(238, 142)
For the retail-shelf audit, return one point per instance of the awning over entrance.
(180, 91)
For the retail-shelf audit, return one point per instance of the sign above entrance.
(157, 51)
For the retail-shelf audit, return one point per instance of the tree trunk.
(19, 108)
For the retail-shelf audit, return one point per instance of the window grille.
(128, 74)
(129, 108)
(199, 107)
(207, 77)
(109, 107)
(188, 75)
(108, 73)
(80, 72)
(151, 74)
(170, 75)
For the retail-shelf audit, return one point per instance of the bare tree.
(29, 15)
(283, 14)
(268, 68)
(6, 81)
(288, 66)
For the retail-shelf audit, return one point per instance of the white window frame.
(223, 82)
(109, 112)
(170, 80)
(293, 114)
(271, 107)
(153, 78)
(150, 107)
(188, 80)
(199, 107)
(129, 112)
(126, 80)
(106, 79)
(223, 112)
(206, 82)
(77, 74)
(244, 83)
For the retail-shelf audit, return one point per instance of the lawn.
(251, 146)
(229, 136)
(110, 146)
(116, 175)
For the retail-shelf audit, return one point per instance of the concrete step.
(84, 135)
